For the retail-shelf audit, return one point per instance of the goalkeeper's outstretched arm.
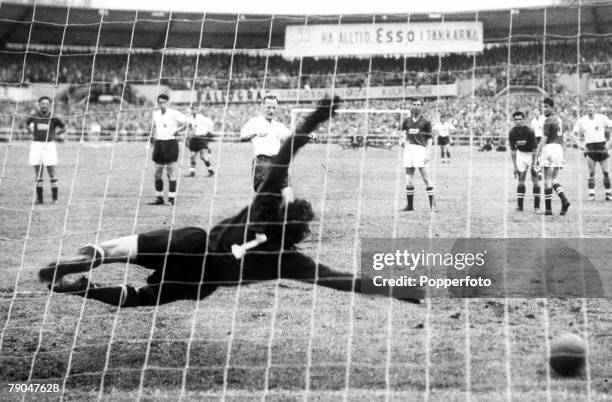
(302, 268)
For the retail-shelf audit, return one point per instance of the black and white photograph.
(317, 201)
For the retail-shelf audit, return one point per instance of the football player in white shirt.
(593, 127)
(201, 130)
(443, 131)
(168, 124)
(266, 133)
(537, 123)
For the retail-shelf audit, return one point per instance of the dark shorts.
(597, 151)
(165, 151)
(538, 140)
(261, 166)
(178, 268)
(198, 143)
(443, 140)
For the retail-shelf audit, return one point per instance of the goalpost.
(387, 135)
(281, 340)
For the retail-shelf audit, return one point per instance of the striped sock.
(559, 190)
(536, 196)
(591, 185)
(430, 193)
(548, 199)
(520, 195)
(409, 197)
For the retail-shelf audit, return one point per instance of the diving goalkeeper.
(257, 244)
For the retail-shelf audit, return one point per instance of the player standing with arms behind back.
(593, 127)
(417, 142)
(202, 128)
(537, 123)
(45, 130)
(168, 124)
(443, 130)
(552, 150)
(522, 146)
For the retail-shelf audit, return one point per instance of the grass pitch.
(287, 340)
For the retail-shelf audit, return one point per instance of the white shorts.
(552, 155)
(523, 161)
(414, 156)
(43, 153)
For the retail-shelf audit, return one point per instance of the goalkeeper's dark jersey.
(185, 260)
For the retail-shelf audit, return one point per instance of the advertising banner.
(329, 40)
(600, 84)
(291, 95)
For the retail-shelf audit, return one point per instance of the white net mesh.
(285, 340)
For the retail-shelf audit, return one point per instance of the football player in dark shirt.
(45, 129)
(257, 244)
(418, 151)
(550, 155)
(523, 143)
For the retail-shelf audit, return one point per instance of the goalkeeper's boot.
(88, 257)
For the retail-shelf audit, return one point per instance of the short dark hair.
(549, 102)
(163, 96)
(518, 113)
(42, 98)
(269, 96)
(417, 100)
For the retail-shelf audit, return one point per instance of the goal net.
(354, 128)
(99, 73)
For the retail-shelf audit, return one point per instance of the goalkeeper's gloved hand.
(326, 108)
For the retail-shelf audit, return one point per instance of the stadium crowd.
(485, 115)
(213, 70)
